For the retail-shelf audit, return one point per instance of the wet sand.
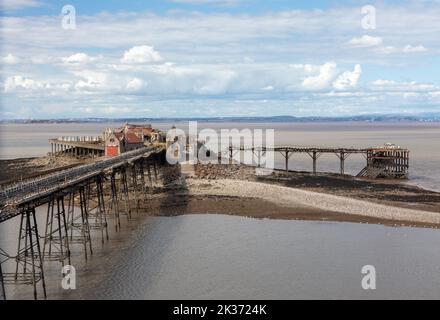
(27, 168)
(260, 200)
(389, 192)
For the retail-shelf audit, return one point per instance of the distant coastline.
(424, 117)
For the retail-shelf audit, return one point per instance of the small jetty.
(388, 161)
(90, 146)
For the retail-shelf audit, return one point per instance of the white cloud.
(382, 83)
(412, 49)
(43, 59)
(411, 95)
(365, 41)
(10, 59)
(346, 94)
(326, 74)
(268, 88)
(92, 80)
(348, 79)
(228, 54)
(391, 85)
(386, 50)
(78, 58)
(141, 54)
(135, 84)
(18, 82)
(406, 49)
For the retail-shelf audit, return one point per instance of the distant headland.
(423, 117)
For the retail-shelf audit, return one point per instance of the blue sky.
(163, 6)
(219, 58)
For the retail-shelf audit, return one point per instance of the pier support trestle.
(56, 239)
(96, 207)
(29, 259)
(79, 227)
(75, 205)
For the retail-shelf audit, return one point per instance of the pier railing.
(42, 183)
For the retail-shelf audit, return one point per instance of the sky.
(218, 58)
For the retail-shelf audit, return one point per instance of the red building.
(129, 137)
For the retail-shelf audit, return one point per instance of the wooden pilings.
(388, 161)
(286, 155)
(76, 148)
(342, 156)
(314, 155)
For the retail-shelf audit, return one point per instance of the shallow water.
(227, 257)
(224, 257)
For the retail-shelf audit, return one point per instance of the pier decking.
(78, 146)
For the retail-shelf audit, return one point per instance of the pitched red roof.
(144, 131)
(133, 138)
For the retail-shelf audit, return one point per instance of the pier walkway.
(78, 200)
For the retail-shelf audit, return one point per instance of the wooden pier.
(381, 162)
(78, 146)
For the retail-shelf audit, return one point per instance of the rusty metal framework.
(95, 207)
(56, 238)
(29, 259)
(79, 226)
(85, 191)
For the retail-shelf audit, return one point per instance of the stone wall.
(224, 171)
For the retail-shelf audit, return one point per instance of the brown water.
(226, 257)
(423, 140)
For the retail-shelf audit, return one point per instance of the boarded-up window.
(112, 151)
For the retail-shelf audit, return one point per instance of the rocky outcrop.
(224, 171)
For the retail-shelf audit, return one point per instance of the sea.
(216, 256)
(421, 138)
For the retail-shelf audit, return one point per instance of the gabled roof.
(119, 135)
(133, 138)
(144, 130)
